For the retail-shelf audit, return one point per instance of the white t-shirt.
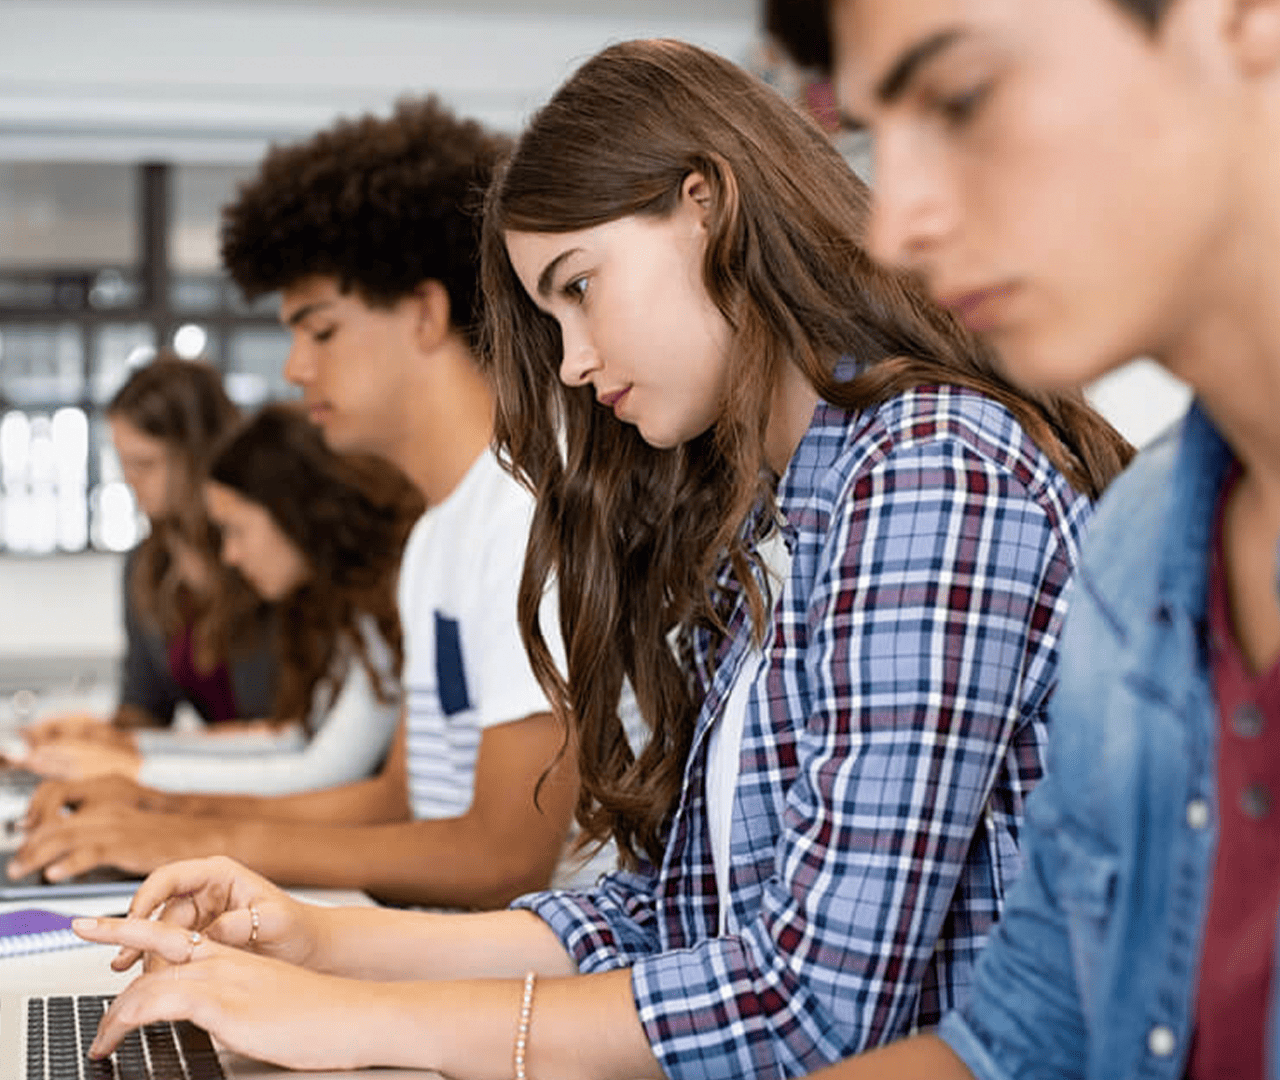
(724, 746)
(465, 667)
(351, 736)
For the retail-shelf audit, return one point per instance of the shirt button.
(1255, 801)
(1161, 1041)
(1247, 721)
(1197, 813)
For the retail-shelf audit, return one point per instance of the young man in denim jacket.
(1085, 181)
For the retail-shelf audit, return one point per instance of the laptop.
(47, 1036)
(103, 881)
(33, 886)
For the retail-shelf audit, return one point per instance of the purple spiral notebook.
(35, 930)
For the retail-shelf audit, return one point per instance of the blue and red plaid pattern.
(889, 743)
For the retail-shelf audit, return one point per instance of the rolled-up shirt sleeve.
(604, 928)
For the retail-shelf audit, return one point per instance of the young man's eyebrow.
(907, 66)
(549, 272)
(302, 312)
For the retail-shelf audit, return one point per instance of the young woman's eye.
(576, 290)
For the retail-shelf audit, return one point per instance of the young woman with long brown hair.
(795, 506)
(194, 631)
(318, 535)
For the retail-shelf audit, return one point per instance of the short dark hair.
(379, 203)
(803, 27)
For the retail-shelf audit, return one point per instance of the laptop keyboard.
(61, 1029)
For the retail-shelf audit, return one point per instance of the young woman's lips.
(610, 400)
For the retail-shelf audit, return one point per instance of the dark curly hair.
(350, 514)
(802, 27)
(380, 203)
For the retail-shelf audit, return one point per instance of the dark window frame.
(153, 305)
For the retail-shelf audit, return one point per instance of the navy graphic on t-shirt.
(451, 676)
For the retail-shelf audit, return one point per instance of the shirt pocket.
(1087, 888)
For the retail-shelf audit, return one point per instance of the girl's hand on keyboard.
(253, 1005)
(227, 903)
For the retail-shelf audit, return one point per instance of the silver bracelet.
(522, 1028)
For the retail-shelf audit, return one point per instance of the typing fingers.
(54, 851)
(49, 803)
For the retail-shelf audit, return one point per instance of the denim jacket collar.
(1200, 465)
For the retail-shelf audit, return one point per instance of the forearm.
(581, 1028)
(390, 944)
(132, 717)
(376, 800)
(447, 863)
(910, 1059)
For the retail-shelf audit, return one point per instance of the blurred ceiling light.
(189, 341)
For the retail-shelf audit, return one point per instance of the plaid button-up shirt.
(890, 739)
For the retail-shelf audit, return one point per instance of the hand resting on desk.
(78, 726)
(111, 834)
(52, 798)
(77, 759)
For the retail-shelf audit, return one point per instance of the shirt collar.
(823, 441)
(1201, 462)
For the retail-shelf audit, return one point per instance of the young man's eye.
(325, 334)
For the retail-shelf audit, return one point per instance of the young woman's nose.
(579, 358)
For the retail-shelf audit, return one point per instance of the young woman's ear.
(696, 188)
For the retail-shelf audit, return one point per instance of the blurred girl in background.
(317, 535)
(194, 631)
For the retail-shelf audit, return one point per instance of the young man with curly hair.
(368, 233)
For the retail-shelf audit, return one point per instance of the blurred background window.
(100, 264)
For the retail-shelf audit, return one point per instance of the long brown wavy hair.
(182, 403)
(635, 537)
(350, 515)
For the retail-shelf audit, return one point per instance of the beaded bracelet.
(522, 1029)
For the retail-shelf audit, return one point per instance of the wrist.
(402, 1025)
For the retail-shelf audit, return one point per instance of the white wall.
(1140, 399)
(67, 606)
(216, 80)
